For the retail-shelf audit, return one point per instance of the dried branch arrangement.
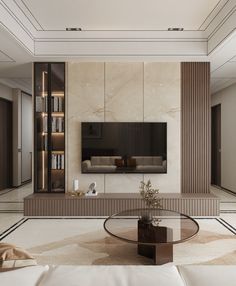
(150, 195)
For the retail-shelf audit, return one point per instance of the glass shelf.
(49, 106)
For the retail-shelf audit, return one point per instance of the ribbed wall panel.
(62, 205)
(195, 127)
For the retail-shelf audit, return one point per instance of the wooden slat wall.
(195, 127)
(38, 205)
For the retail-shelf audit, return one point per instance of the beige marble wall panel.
(123, 92)
(122, 183)
(85, 102)
(126, 94)
(162, 103)
(123, 102)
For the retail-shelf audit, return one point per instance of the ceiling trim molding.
(18, 16)
(120, 35)
(23, 44)
(211, 16)
(15, 29)
(223, 14)
(220, 66)
(20, 22)
(10, 58)
(12, 83)
(225, 31)
(223, 3)
(28, 14)
(120, 48)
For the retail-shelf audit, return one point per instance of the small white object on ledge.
(75, 185)
(91, 191)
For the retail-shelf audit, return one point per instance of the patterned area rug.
(83, 241)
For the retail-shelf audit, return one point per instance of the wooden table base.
(162, 251)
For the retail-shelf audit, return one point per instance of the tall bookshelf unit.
(49, 127)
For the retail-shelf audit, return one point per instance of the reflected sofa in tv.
(111, 164)
(100, 164)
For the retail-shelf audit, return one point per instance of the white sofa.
(166, 275)
(100, 164)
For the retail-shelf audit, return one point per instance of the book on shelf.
(45, 100)
(39, 104)
(45, 124)
(58, 161)
(57, 103)
(57, 124)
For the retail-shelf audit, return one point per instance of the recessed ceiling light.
(73, 29)
(175, 29)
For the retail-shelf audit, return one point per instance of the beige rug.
(58, 244)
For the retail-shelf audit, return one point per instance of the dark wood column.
(195, 127)
(5, 144)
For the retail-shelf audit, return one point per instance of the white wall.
(138, 92)
(227, 99)
(5, 92)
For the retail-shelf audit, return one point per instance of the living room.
(117, 102)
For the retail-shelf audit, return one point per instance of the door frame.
(11, 143)
(216, 154)
(30, 180)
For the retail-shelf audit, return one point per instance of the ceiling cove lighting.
(73, 29)
(175, 29)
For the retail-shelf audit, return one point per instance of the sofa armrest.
(164, 164)
(86, 165)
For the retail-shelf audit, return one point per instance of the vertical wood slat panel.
(195, 205)
(195, 127)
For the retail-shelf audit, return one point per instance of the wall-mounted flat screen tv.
(124, 147)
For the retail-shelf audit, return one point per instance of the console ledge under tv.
(124, 147)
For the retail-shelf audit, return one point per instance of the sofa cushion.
(100, 160)
(143, 160)
(101, 168)
(103, 160)
(159, 169)
(157, 160)
(205, 275)
(148, 160)
(112, 276)
(27, 276)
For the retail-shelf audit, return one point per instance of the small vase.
(146, 217)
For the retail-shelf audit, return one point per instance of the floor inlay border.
(12, 228)
(15, 226)
(227, 225)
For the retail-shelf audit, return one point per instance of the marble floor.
(227, 200)
(11, 200)
(83, 241)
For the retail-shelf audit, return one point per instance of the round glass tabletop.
(151, 226)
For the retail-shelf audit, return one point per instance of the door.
(216, 145)
(27, 137)
(5, 144)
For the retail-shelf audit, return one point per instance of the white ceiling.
(124, 30)
(122, 14)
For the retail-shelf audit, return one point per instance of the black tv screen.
(125, 147)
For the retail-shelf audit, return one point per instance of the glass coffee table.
(153, 230)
